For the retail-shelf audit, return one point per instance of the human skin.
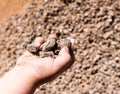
(31, 71)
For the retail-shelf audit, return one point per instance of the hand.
(45, 69)
(31, 71)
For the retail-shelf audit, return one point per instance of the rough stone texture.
(46, 54)
(31, 48)
(67, 1)
(95, 26)
(64, 42)
(48, 45)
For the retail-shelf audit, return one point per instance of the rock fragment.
(64, 42)
(31, 48)
(46, 54)
(96, 58)
(107, 34)
(48, 45)
(67, 1)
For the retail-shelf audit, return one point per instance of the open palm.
(45, 68)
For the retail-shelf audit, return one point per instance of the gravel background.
(95, 26)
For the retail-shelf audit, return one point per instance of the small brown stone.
(64, 42)
(67, 1)
(31, 48)
(46, 54)
(48, 45)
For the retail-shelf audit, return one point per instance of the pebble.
(48, 45)
(64, 42)
(96, 58)
(46, 54)
(107, 34)
(31, 48)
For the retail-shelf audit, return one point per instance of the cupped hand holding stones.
(46, 68)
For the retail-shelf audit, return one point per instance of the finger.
(62, 60)
(53, 36)
(72, 42)
(38, 41)
(71, 49)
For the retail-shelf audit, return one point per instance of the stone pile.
(95, 27)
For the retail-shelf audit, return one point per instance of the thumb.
(62, 60)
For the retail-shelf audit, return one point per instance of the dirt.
(95, 27)
(8, 7)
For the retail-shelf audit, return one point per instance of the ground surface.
(7, 7)
(95, 26)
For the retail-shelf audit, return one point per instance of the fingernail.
(66, 49)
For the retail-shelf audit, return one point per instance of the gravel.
(95, 27)
(51, 47)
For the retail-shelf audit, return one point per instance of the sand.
(8, 7)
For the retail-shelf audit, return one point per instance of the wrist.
(20, 81)
(24, 73)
